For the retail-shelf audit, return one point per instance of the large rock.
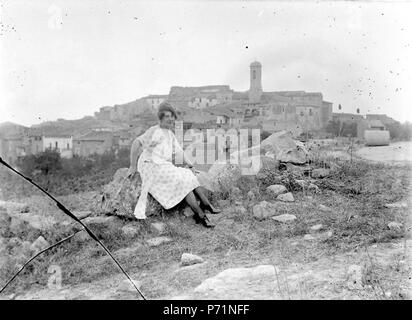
(120, 196)
(276, 189)
(264, 210)
(284, 148)
(240, 284)
(223, 175)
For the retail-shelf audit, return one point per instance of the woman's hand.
(193, 169)
(131, 173)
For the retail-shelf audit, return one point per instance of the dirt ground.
(355, 233)
(395, 153)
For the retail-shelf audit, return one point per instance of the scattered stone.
(264, 210)
(308, 237)
(313, 188)
(154, 242)
(320, 173)
(158, 227)
(189, 259)
(239, 209)
(188, 212)
(324, 208)
(325, 235)
(83, 236)
(223, 203)
(395, 225)
(130, 230)
(39, 244)
(284, 217)
(82, 214)
(240, 284)
(286, 197)
(396, 205)
(276, 189)
(354, 276)
(300, 170)
(251, 196)
(316, 228)
(302, 183)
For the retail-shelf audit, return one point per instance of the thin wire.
(71, 215)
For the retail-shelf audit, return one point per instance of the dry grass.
(356, 193)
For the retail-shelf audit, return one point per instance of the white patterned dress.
(167, 183)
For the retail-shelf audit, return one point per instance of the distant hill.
(9, 129)
(76, 127)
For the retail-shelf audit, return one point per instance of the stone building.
(295, 111)
(59, 142)
(93, 142)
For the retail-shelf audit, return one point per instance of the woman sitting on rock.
(151, 156)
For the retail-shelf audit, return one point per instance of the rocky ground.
(332, 228)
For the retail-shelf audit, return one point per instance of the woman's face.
(168, 120)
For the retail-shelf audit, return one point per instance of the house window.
(56, 145)
(68, 147)
(310, 112)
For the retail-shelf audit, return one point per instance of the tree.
(48, 161)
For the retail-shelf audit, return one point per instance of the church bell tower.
(255, 91)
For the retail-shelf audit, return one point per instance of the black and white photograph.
(189, 151)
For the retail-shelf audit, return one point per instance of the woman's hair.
(163, 107)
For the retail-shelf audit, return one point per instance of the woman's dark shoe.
(210, 208)
(204, 221)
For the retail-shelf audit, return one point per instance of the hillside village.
(115, 127)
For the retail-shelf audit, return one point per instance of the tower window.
(254, 74)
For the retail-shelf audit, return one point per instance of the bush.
(65, 176)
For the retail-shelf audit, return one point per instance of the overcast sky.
(66, 59)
